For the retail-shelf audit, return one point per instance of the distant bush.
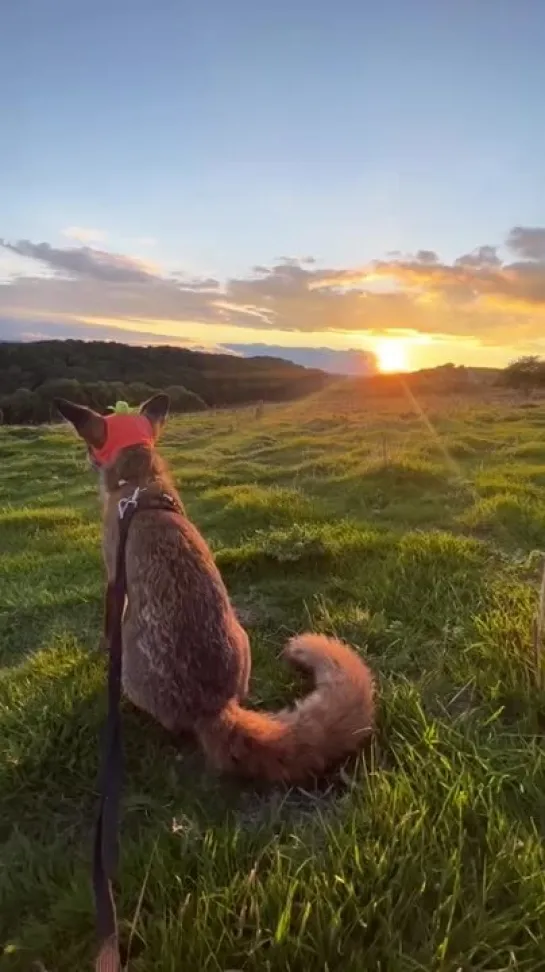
(526, 373)
(26, 407)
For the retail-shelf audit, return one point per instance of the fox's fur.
(186, 658)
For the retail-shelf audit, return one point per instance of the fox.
(185, 656)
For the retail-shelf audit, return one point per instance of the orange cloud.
(476, 298)
(472, 286)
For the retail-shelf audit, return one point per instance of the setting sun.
(391, 354)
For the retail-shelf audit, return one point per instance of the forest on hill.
(98, 373)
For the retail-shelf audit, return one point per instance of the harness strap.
(105, 852)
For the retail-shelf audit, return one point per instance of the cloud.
(483, 256)
(84, 235)
(467, 292)
(476, 296)
(39, 329)
(528, 242)
(84, 262)
(427, 256)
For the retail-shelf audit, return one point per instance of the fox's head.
(119, 439)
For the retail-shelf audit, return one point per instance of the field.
(415, 535)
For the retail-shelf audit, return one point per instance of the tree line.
(99, 373)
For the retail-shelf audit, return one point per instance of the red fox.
(186, 658)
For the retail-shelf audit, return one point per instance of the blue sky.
(216, 138)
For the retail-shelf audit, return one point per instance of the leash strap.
(105, 854)
(106, 850)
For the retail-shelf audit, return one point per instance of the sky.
(347, 175)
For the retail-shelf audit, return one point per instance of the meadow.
(415, 532)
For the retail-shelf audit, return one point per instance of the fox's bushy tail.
(294, 745)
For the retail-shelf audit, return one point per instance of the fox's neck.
(136, 468)
(133, 469)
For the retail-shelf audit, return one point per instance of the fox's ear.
(88, 424)
(156, 411)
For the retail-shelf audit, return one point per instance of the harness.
(105, 854)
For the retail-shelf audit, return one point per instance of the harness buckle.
(128, 501)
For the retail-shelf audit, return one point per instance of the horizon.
(349, 364)
(162, 163)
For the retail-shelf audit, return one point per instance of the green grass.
(415, 537)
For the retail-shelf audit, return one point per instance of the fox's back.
(181, 636)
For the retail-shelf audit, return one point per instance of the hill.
(99, 372)
(335, 361)
(412, 536)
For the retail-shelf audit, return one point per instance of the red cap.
(123, 431)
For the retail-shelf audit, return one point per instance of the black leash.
(106, 850)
